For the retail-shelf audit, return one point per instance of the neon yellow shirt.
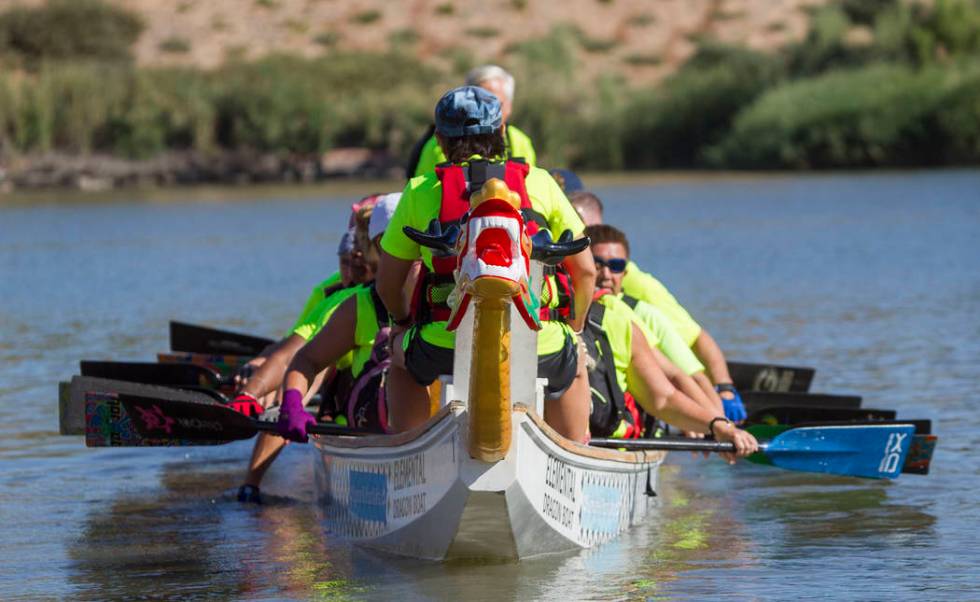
(420, 204)
(518, 145)
(617, 323)
(661, 334)
(317, 295)
(365, 330)
(320, 314)
(645, 287)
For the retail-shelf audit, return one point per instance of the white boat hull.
(420, 494)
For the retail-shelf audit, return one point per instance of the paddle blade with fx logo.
(191, 421)
(870, 451)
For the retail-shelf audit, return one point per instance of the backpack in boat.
(614, 412)
(367, 406)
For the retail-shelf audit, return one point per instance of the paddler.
(641, 286)
(427, 152)
(469, 130)
(623, 364)
(358, 330)
(610, 250)
(259, 391)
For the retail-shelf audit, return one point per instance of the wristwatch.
(725, 387)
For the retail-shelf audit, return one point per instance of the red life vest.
(458, 183)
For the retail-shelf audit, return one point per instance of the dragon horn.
(551, 252)
(443, 242)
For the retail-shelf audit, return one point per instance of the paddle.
(225, 365)
(72, 405)
(921, 448)
(757, 400)
(203, 339)
(770, 377)
(792, 415)
(176, 374)
(860, 450)
(157, 417)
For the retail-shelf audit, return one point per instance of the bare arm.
(709, 391)
(654, 392)
(392, 274)
(682, 381)
(581, 269)
(269, 375)
(329, 345)
(711, 356)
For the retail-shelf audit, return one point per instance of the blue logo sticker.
(368, 497)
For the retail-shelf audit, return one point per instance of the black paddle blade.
(793, 415)
(202, 339)
(770, 377)
(757, 400)
(149, 373)
(154, 417)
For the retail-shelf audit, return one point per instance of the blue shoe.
(249, 494)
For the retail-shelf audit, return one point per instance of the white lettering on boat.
(561, 478)
(410, 505)
(408, 472)
(893, 453)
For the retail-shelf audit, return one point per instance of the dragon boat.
(485, 477)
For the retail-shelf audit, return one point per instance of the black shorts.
(425, 362)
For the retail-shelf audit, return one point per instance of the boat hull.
(421, 495)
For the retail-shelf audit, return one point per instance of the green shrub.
(445, 9)
(365, 17)
(69, 29)
(175, 45)
(670, 125)
(483, 32)
(873, 116)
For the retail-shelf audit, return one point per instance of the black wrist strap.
(403, 323)
(711, 425)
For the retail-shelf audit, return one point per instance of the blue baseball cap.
(467, 111)
(567, 179)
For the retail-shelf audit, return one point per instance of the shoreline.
(362, 185)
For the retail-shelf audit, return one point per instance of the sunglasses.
(616, 266)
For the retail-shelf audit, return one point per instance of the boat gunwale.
(455, 407)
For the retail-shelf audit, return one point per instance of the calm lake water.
(872, 279)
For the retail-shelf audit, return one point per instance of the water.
(872, 279)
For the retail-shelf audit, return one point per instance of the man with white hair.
(427, 154)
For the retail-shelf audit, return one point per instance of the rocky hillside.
(643, 39)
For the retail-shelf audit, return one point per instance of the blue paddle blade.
(866, 450)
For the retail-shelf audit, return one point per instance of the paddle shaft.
(670, 444)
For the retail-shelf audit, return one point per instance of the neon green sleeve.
(520, 146)
(554, 204)
(318, 318)
(316, 295)
(394, 241)
(643, 286)
(430, 156)
(668, 341)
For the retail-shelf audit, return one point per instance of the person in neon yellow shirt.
(427, 152)
(610, 249)
(637, 373)
(645, 287)
(469, 127)
(265, 383)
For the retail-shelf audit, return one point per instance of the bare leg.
(408, 401)
(569, 414)
(267, 448)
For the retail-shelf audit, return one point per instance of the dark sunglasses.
(616, 266)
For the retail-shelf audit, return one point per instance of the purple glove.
(293, 419)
